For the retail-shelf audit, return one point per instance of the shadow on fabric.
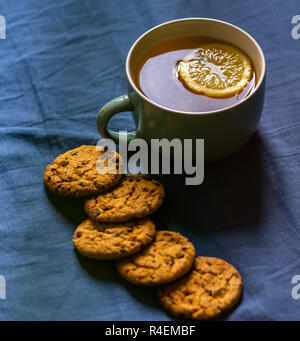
(230, 196)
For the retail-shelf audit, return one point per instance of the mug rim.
(171, 22)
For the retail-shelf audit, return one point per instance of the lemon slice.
(216, 70)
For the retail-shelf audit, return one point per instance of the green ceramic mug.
(224, 131)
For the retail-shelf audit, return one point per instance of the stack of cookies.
(118, 227)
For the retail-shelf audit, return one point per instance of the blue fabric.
(60, 62)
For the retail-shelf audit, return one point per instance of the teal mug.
(225, 131)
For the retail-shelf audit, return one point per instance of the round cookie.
(136, 196)
(74, 173)
(113, 240)
(167, 258)
(211, 287)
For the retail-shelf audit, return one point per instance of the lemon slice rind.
(183, 71)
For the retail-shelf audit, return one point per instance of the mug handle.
(115, 106)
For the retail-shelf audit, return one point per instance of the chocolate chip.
(53, 169)
(75, 153)
(78, 234)
(95, 212)
(106, 208)
(84, 162)
(167, 261)
(64, 163)
(180, 254)
(130, 229)
(57, 188)
(186, 292)
(167, 234)
(210, 292)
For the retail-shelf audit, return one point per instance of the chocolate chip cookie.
(136, 196)
(211, 287)
(167, 258)
(113, 240)
(74, 173)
